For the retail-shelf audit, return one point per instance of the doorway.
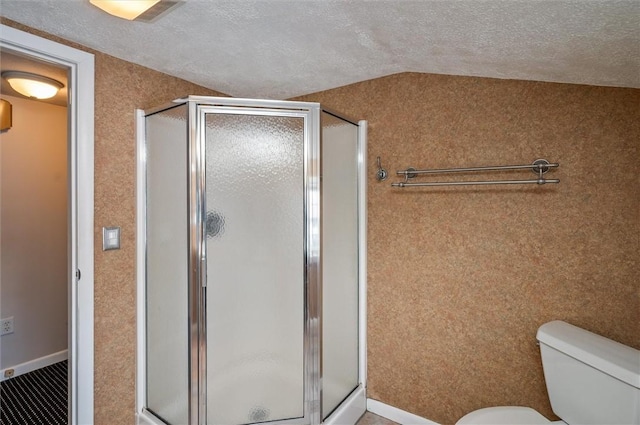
(79, 67)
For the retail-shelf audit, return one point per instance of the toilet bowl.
(591, 380)
(505, 415)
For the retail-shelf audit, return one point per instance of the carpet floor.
(37, 397)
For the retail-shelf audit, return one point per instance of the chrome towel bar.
(472, 183)
(539, 166)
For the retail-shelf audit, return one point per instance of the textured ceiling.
(283, 48)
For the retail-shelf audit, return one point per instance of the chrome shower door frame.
(200, 107)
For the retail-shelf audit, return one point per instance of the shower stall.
(251, 263)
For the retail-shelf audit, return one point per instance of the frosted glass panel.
(255, 268)
(167, 250)
(339, 261)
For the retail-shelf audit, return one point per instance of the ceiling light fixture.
(125, 9)
(32, 85)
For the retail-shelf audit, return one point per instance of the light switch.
(110, 238)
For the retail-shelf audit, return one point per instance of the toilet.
(591, 380)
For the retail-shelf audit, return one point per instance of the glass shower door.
(255, 251)
(339, 261)
(167, 302)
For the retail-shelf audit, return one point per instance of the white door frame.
(81, 168)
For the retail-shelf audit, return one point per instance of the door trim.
(81, 206)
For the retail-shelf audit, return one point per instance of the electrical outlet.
(8, 373)
(6, 326)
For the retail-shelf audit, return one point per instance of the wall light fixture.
(5, 115)
(32, 85)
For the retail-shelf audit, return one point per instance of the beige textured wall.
(461, 278)
(120, 88)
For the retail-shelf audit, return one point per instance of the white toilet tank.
(590, 379)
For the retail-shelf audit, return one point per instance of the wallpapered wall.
(461, 278)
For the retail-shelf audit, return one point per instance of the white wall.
(33, 265)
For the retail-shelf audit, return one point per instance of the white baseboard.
(32, 365)
(396, 415)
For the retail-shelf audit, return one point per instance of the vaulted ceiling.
(284, 48)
